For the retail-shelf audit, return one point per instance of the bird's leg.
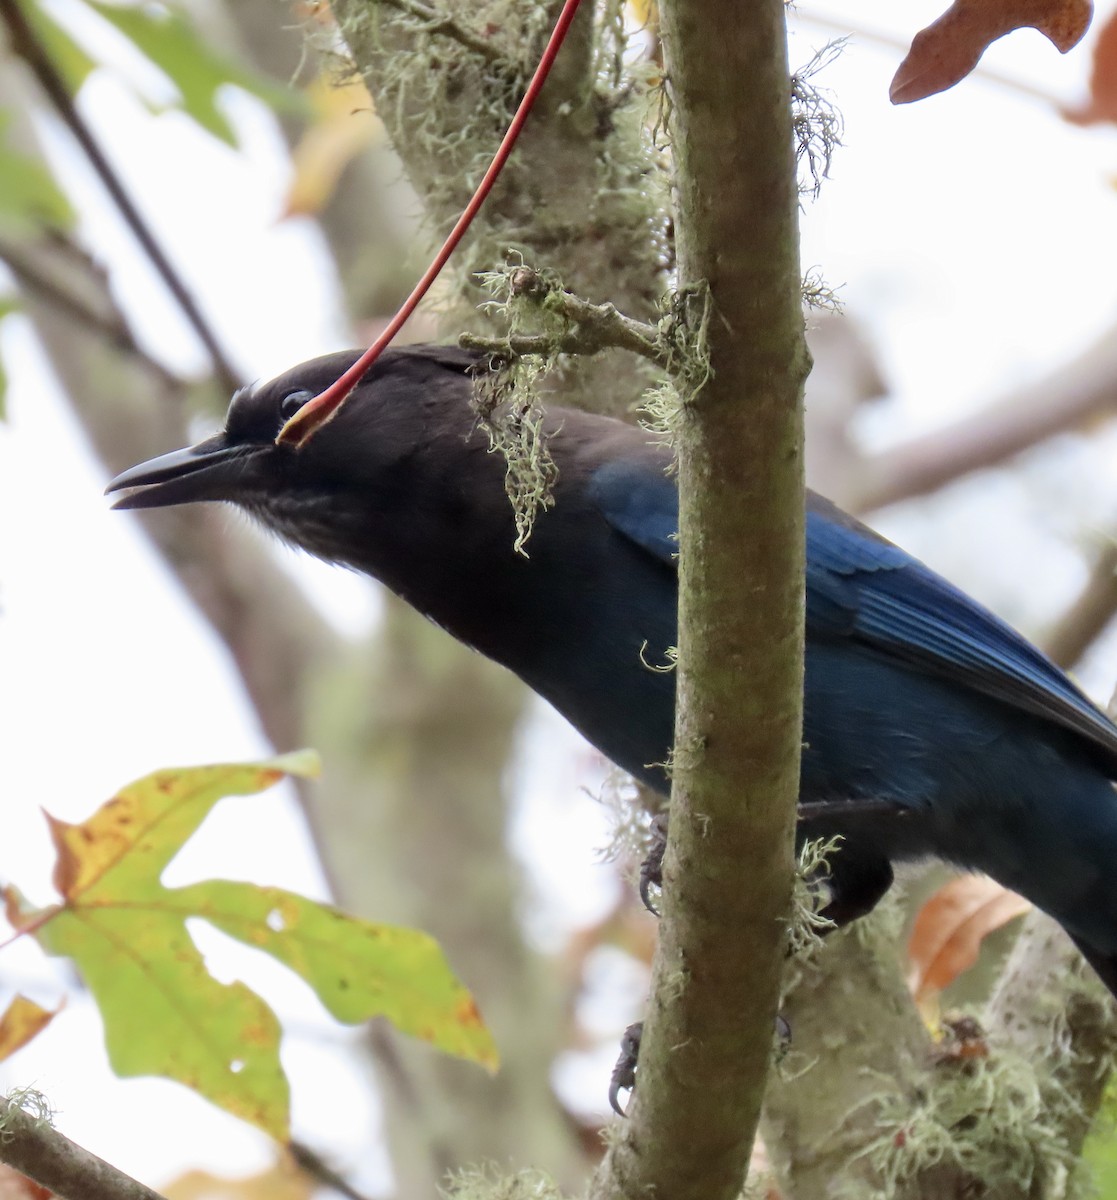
(854, 890)
(624, 1071)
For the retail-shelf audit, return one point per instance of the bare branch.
(314, 1165)
(30, 1144)
(1096, 605)
(31, 276)
(1083, 389)
(26, 43)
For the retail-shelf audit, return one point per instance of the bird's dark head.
(408, 411)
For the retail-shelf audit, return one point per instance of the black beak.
(211, 470)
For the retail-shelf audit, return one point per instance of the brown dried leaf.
(14, 1186)
(949, 49)
(950, 927)
(1102, 104)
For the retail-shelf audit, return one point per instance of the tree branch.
(738, 732)
(313, 1164)
(1096, 605)
(590, 328)
(31, 275)
(1079, 391)
(26, 43)
(1050, 1010)
(33, 1147)
(575, 195)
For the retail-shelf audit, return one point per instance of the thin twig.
(26, 43)
(111, 327)
(33, 1147)
(312, 1163)
(443, 23)
(591, 328)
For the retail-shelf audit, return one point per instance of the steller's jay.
(931, 728)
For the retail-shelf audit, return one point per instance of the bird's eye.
(292, 402)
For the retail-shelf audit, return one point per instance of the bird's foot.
(624, 1072)
(623, 1077)
(651, 869)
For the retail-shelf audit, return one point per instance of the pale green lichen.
(684, 330)
(490, 1183)
(818, 294)
(992, 1120)
(630, 835)
(27, 1103)
(509, 410)
(807, 926)
(816, 123)
(507, 398)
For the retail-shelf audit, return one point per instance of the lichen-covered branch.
(30, 1144)
(582, 327)
(728, 866)
(580, 194)
(433, 21)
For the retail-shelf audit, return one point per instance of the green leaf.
(170, 41)
(29, 197)
(164, 1014)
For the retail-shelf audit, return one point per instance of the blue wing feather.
(863, 588)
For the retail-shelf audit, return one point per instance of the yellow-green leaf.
(123, 848)
(357, 969)
(164, 1014)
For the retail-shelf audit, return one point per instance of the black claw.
(783, 1036)
(624, 1073)
(651, 869)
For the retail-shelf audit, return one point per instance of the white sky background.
(974, 234)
